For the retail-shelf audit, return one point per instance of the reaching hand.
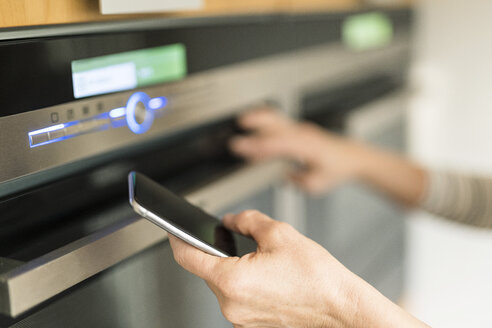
(326, 159)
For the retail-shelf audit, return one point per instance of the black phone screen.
(188, 218)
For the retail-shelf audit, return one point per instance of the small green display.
(128, 70)
(367, 31)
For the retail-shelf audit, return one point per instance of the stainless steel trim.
(34, 282)
(199, 99)
(240, 185)
(19, 33)
(43, 31)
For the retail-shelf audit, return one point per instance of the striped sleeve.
(460, 198)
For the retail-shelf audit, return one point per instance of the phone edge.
(168, 227)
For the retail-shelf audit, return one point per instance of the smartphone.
(184, 220)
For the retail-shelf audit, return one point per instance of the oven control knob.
(139, 116)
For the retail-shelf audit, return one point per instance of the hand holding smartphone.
(184, 220)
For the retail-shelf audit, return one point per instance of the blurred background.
(449, 267)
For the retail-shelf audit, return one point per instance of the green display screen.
(367, 31)
(128, 70)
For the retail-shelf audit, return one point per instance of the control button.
(39, 138)
(54, 117)
(56, 134)
(138, 115)
(70, 114)
(117, 113)
(158, 103)
(85, 110)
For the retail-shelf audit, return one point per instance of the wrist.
(351, 303)
(365, 160)
(354, 157)
(342, 306)
(372, 309)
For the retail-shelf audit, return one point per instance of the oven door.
(98, 264)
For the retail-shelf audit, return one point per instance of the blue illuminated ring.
(131, 105)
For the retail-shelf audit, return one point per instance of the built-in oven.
(56, 236)
(82, 105)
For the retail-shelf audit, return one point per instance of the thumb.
(264, 230)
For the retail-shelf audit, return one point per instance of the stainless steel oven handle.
(239, 185)
(26, 285)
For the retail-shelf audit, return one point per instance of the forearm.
(458, 197)
(394, 175)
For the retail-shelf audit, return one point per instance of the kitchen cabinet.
(331, 5)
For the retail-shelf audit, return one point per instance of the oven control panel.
(138, 115)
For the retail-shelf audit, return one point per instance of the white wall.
(450, 266)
